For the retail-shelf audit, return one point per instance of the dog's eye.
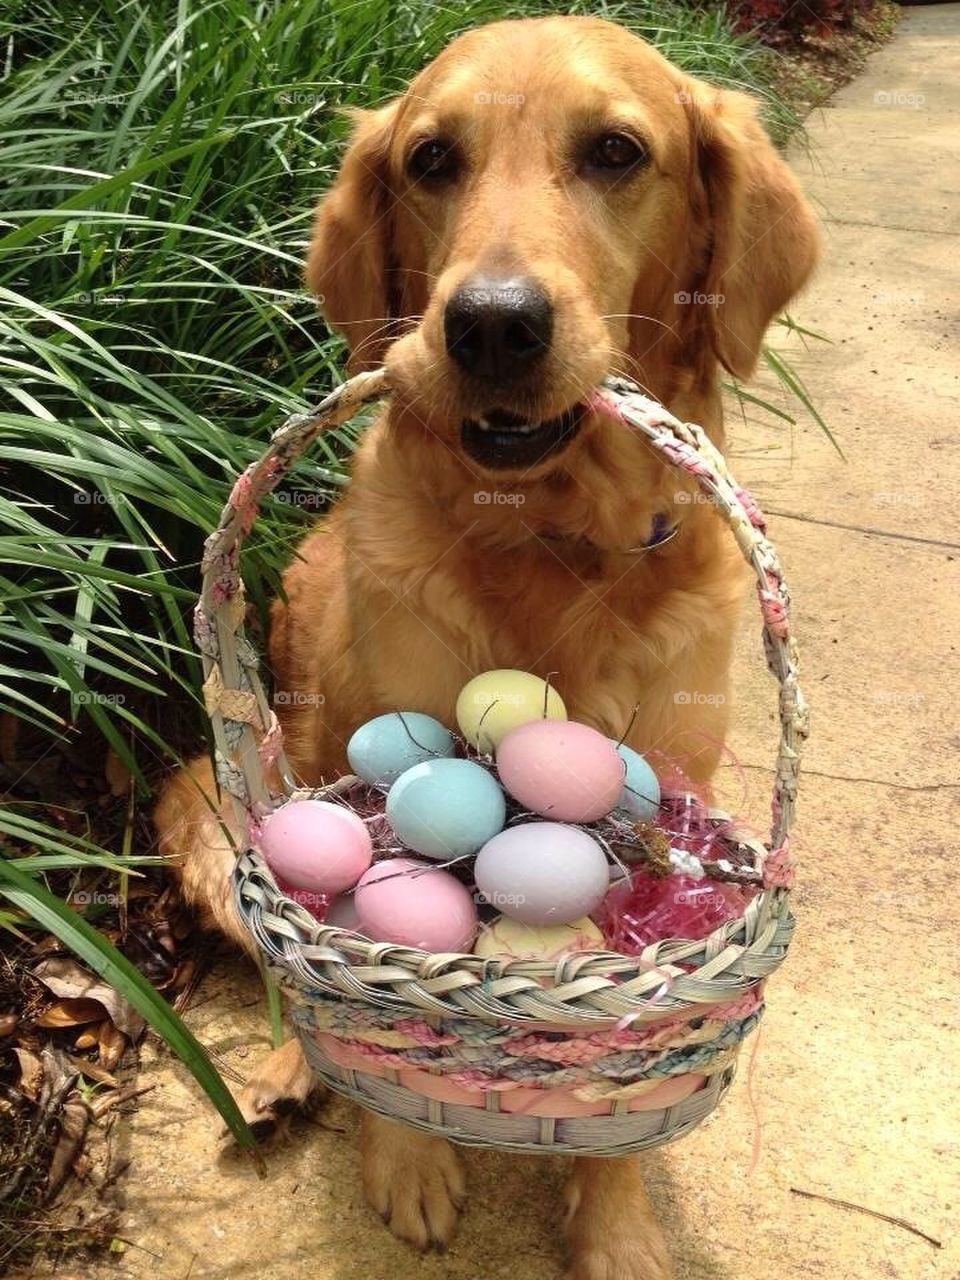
(433, 161)
(615, 153)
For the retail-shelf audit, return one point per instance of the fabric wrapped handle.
(247, 737)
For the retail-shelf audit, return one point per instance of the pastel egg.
(561, 769)
(508, 939)
(641, 789)
(313, 844)
(383, 748)
(542, 873)
(492, 704)
(446, 808)
(413, 903)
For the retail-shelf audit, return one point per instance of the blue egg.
(446, 808)
(388, 745)
(641, 790)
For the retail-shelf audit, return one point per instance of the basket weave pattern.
(596, 1053)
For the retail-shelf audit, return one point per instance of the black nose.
(497, 329)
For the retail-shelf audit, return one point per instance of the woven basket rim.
(750, 946)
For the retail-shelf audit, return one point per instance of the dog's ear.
(763, 240)
(348, 266)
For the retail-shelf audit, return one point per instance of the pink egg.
(561, 770)
(416, 904)
(316, 845)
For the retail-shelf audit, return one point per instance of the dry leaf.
(31, 1073)
(64, 977)
(71, 1013)
(112, 1044)
(8, 1024)
(74, 1119)
(88, 1038)
(93, 1071)
(107, 1101)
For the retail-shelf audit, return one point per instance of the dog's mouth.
(500, 439)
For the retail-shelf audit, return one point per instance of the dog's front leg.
(611, 1228)
(413, 1180)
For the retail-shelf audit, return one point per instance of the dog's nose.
(497, 329)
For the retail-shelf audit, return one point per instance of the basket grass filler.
(595, 1052)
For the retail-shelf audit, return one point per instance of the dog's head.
(549, 201)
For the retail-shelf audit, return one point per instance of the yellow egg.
(493, 703)
(509, 939)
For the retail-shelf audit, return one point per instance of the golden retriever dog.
(550, 201)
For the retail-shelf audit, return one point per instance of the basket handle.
(246, 732)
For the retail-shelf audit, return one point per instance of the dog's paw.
(611, 1229)
(413, 1181)
(622, 1258)
(282, 1087)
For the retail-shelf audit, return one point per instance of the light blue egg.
(641, 790)
(388, 745)
(446, 808)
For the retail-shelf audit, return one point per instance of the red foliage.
(778, 21)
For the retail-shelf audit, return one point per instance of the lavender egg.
(543, 873)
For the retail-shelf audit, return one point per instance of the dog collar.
(662, 532)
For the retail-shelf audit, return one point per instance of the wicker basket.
(596, 1053)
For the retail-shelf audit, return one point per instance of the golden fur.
(413, 583)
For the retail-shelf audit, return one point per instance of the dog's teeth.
(525, 429)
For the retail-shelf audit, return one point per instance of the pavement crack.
(863, 528)
(872, 782)
(888, 226)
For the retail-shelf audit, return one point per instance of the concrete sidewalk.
(850, 1090)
